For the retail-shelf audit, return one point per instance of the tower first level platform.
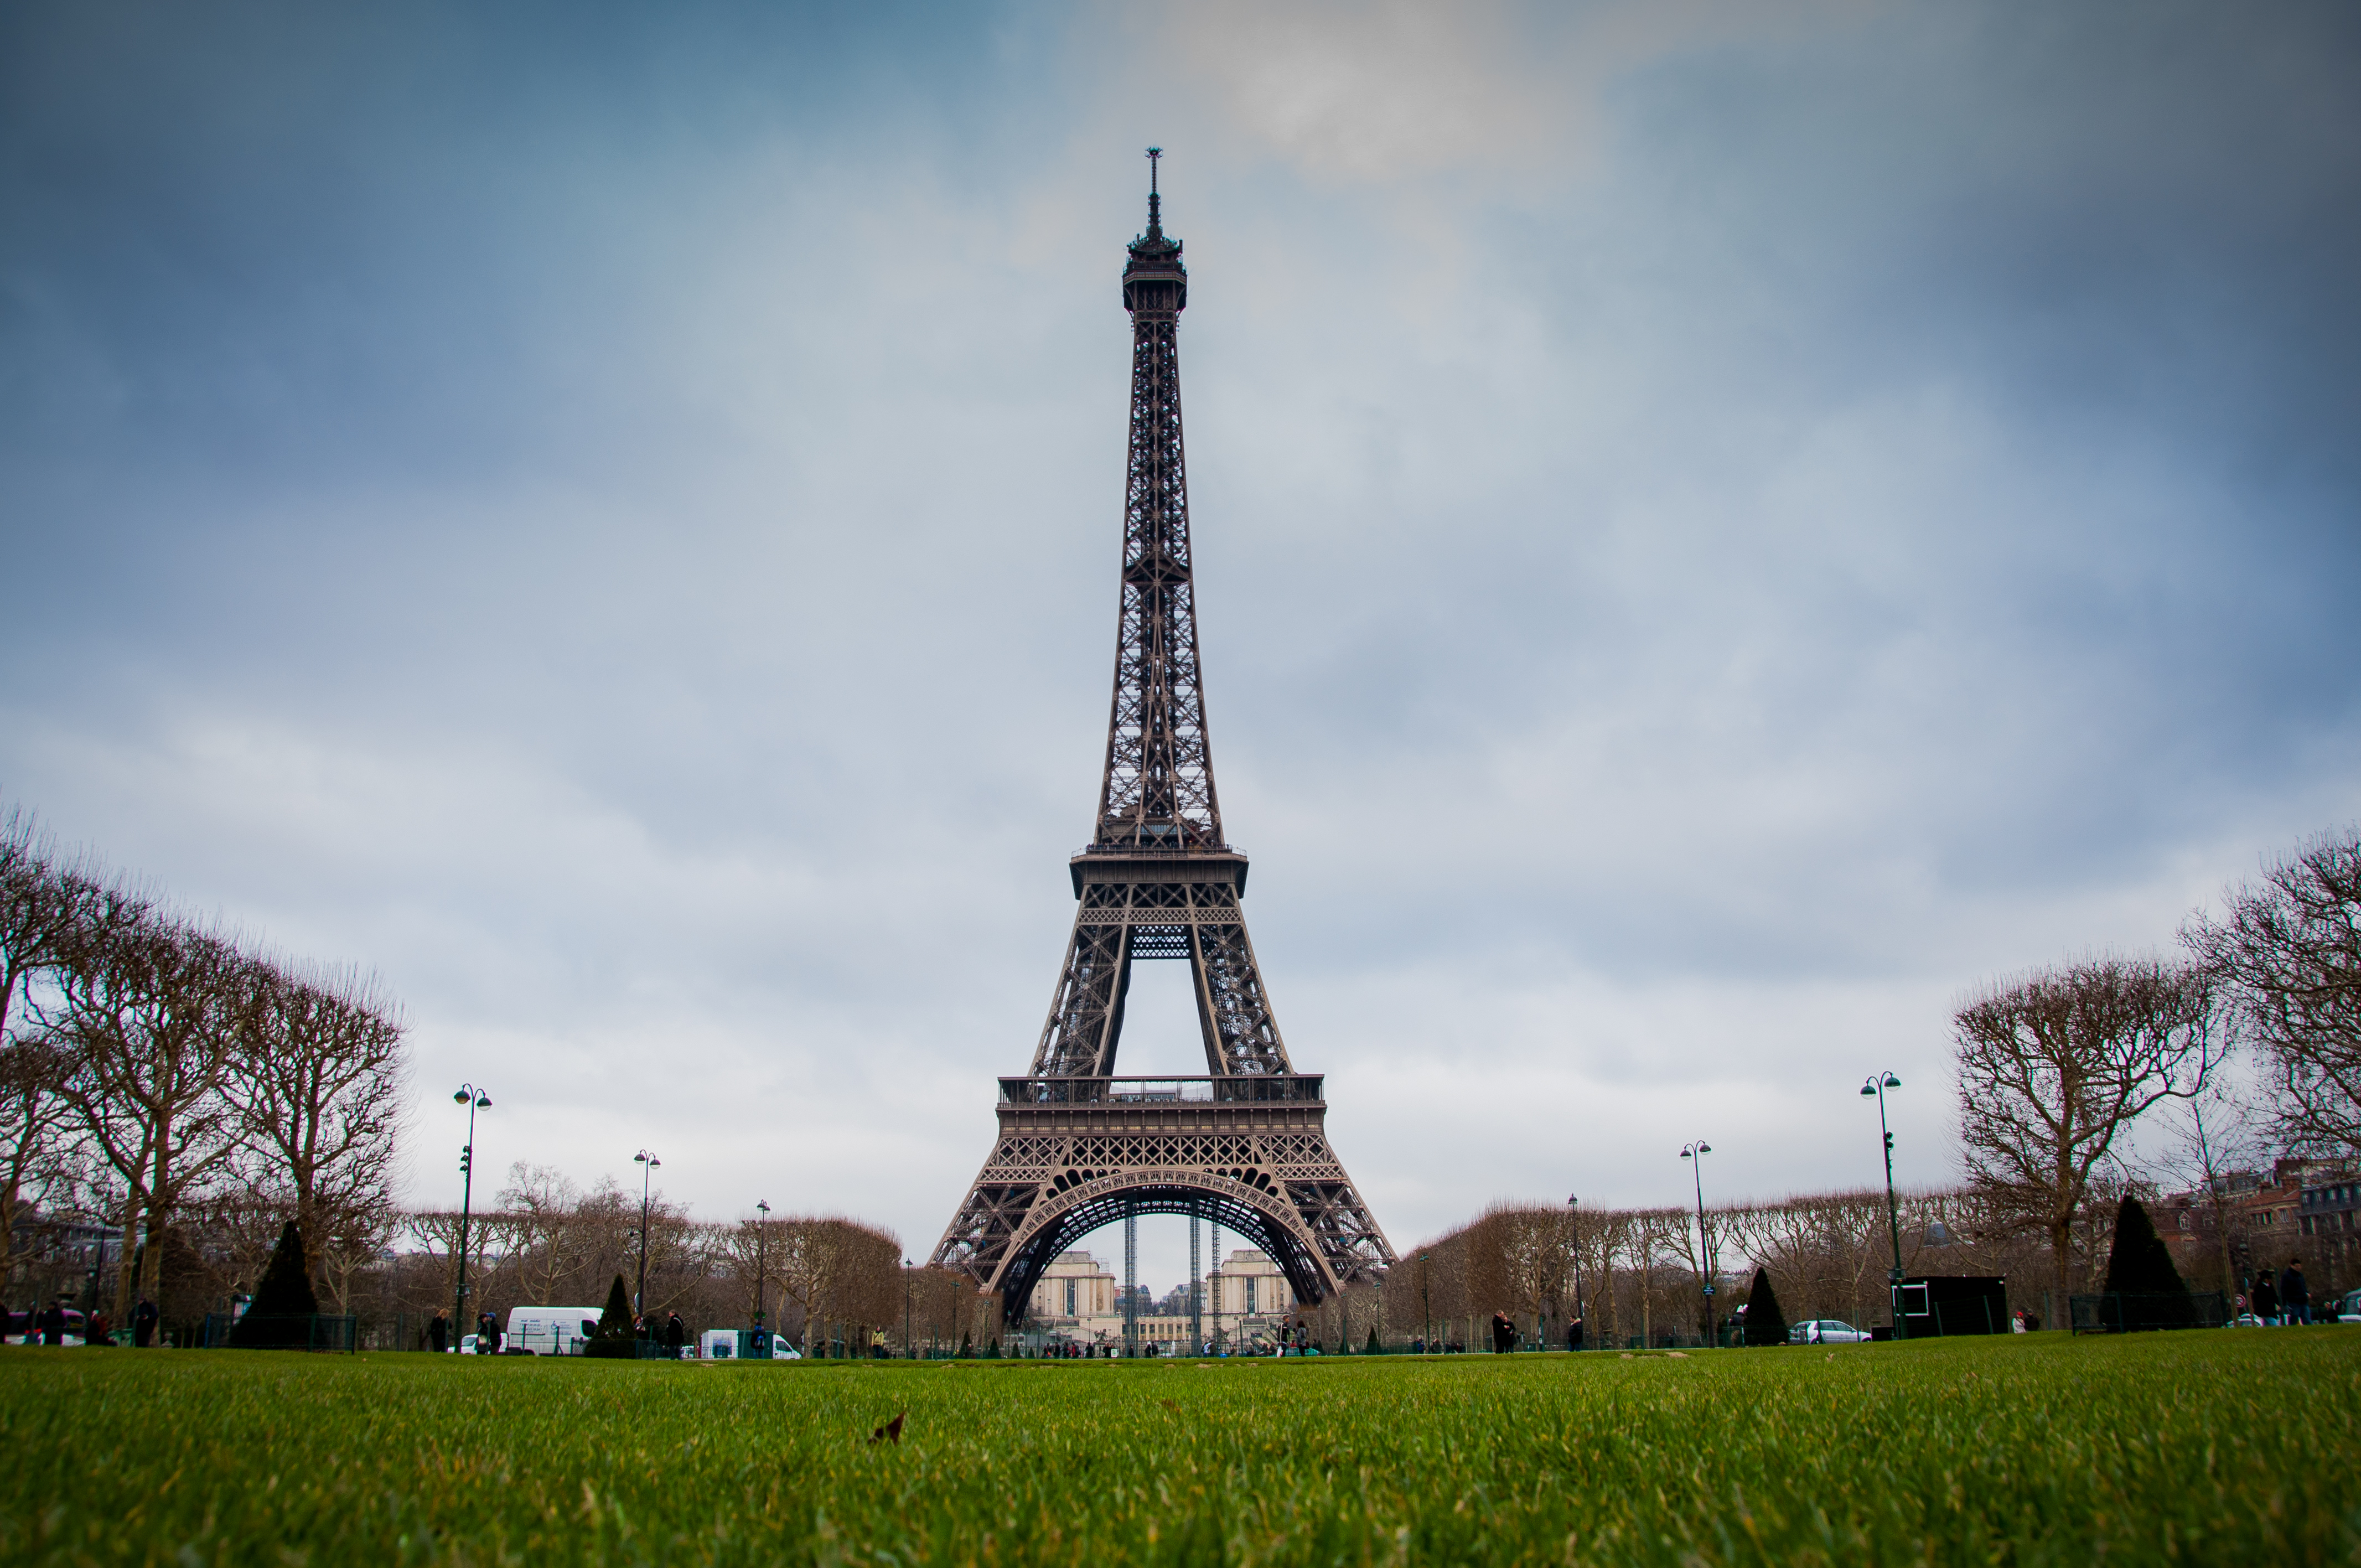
(1249, 1154)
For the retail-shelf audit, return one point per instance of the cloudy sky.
(1719, 527)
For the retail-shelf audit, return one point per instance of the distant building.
(2327, 1211)
(1079, 1302)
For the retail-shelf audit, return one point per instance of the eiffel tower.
(1245, 1145)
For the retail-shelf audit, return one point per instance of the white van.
(739, 1344)
(551, 1331)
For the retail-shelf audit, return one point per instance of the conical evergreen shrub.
(2151, 1294)
(1373, 1339)
(1766, 1322)
(279, 1318)
(613, 1336)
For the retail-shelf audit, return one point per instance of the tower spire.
(1155, 202)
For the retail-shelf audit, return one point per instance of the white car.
(1826, 1331)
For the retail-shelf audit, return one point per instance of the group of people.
(2274, 1302)
(489, 1337)
(51, 1325)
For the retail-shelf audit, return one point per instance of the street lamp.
(1878, 1083)
(1425, 1309)
(647, 1164)
(1695, 1153)
(906, 1310)
(1573, 1230)
(762, 1235)
(475, 1099)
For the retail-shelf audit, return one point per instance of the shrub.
(284, 1306)
(614, 1335)
(1766, 1323)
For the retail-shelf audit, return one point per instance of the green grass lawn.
(2225, 1447)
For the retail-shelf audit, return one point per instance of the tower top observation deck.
(1154, 280)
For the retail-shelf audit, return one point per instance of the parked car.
(2348, 1308)
(1826, 1331)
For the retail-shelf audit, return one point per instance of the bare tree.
(317, 1085)
(2220, 1137)
(152, 1012)
(553, 1236)
(41, 908)
(2292, 945)
(2054, 1065)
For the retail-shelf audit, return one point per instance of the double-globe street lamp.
(647, 1164)
(1695, 1153)
(1878, 1083)
(475, 1099)
(1573, 1236)
(762, 1235)
(1426, 1309)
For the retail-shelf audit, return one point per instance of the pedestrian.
(1504, 1334)
(2265, 1297)
(99, 1331)
(143, 1324)
(675, 1335)
(53, 1322)
(1574, 1333)
(438, 1334)
(2295, 1296)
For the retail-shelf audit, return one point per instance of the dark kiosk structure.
(1940, 1304)
(1245, 1145)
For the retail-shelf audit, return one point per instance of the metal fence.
(2116, 1312)
(309, 1330)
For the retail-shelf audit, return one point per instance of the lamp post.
(1695, 1153)
(1425, 1309)
(1878, 1083)
(647, 1164)
(906, 1310)
(1573, 1230)
(762, 1235)
(475, 1099)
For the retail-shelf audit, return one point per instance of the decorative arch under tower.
(1245, 1145)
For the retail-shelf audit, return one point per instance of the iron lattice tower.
(1245, 1145)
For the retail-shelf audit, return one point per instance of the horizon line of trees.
(157, 1069)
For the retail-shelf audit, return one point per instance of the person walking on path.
(143, 1324)
(53, 1322)
(438, 1332)
(1504, 1334)
(675, 1335)
(2295, 1296)
(1574, 1334)
(2265, 1297)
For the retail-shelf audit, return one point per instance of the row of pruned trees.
(547, 1242)
(2062, 1070)
(156, 1072)
(1639, 1272)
